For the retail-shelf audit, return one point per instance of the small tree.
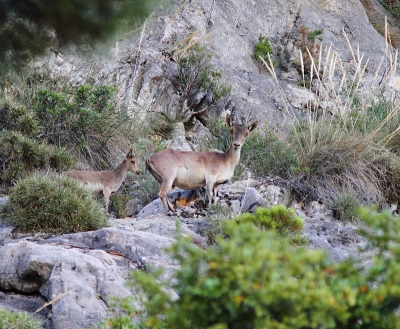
(197, 84)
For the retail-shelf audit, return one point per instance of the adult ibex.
(107, 181)
(192, 170)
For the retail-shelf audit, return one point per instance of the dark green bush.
(18, 320)
(257, 280)
(20, 155)
(53, 204)
(262, 49)
(84, 120)
(278, 218)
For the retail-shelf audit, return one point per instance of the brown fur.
(107, 181)
(192, 170)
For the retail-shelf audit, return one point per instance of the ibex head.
(239, 131)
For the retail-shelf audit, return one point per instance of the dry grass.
(351, 148)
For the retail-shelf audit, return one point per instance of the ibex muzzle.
(193, 170)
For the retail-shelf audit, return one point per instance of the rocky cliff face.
(229, 30)
(80, 272)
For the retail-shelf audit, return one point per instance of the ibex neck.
(233, 156)
(121, 171)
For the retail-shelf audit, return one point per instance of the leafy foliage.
(18, 118)
(257, 280)
(278, 218)
(262, 49)
(21, 320)
(53, 204)
(82, 119)
(28, 27)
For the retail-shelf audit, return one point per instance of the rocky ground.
(80, 273)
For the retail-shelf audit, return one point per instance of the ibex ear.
(253, 126)
(228, 120)
(129, 155)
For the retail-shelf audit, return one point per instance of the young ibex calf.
(107, 181)
(192, 170)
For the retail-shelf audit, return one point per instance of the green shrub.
(262, 49)
(20, 155)
(257, 280)
(84, 120)
(345, 207)
(147, 188)
(118, 203)
(278, 218)
(53, 204)
(18, 320)
(264, 154)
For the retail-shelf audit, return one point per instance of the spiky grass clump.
(21, 320)
(345, 207)
(352, 148)
(53, 204)
(333, 160)
(21, 155)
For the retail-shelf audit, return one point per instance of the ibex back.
(107, 181)
(192, 170)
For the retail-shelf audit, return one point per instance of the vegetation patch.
(118, 203)
(262, 49)
(345, 207)
(255, 279)
(21, 320)
(53, 204)
(278, 218)
(21, 155)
